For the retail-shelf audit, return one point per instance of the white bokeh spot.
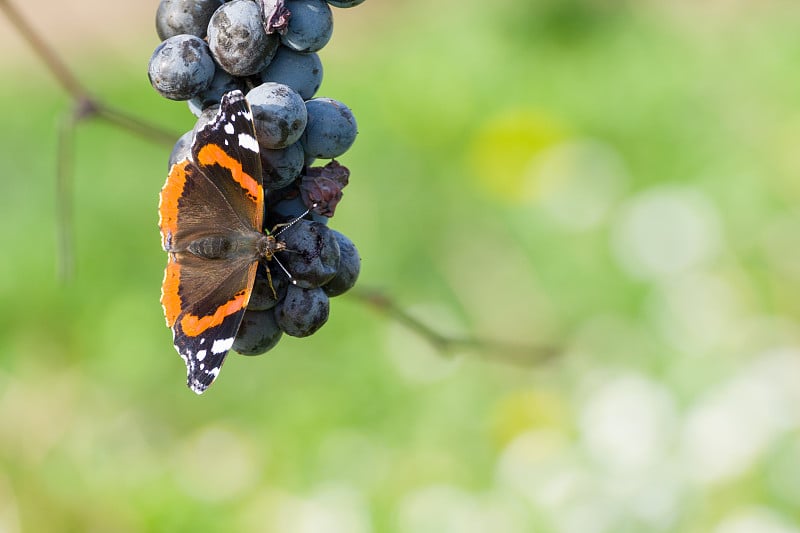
(576, 183)
(627, 422)
(450, 509)
(732, 425)
(755, 520)
(666, 231)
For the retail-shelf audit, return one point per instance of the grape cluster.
(268, 50)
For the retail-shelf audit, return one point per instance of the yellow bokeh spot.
(505, 146)
(523, 411)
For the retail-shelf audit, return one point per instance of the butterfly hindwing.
(204, 333)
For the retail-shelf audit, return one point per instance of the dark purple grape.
(344, 3)
(331, 128)
(184, 17)
(349, 267)
(182, 148)
(289, 209)
(181, 67)
(282, 166)
(195, 107)
(312, 255)
(279, 114)
(237, 38)
(206, 117)
(258, 333)
(221, 83)
(310, 25)
(302, 312)
(301, 72)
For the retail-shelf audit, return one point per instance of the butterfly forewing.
(226, 151)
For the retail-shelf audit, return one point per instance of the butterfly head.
(268, 245)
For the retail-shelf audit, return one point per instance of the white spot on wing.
(229, 128)
(248, 141)
(221, 345)
(201, 354)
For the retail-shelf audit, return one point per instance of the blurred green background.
(619, 179)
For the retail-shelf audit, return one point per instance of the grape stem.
(511, 353)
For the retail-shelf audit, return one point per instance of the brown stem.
(136, 126)
(86, 105)
(506, 352)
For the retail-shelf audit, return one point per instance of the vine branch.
(85, 104)
(512, 353)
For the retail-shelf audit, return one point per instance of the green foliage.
(618, 179)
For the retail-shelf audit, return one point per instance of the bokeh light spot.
(450, 509)
(755, 520)
(329, 509)
(627, 422)
(695, 312)
(216, 464)
(666, 231)
(504, 147)
(576, 182)
(731, 425)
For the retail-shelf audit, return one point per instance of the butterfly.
(211, 214)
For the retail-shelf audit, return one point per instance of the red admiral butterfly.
(211, 213)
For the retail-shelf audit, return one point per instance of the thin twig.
(514, 353)
(66, 129)
(87, 106)
(136, 126)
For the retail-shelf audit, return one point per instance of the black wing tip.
(200, 380)
(201, 372)
(196, 386)
(231, 98)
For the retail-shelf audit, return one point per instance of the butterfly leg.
(269, 280)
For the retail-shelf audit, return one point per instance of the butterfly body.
(228, 247)
(211, 213)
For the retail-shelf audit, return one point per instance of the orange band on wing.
(170, 299)
(193, 325)
(212, 154)
(168, 201)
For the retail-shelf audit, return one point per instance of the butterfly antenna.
(288, 225)
(288, 275)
